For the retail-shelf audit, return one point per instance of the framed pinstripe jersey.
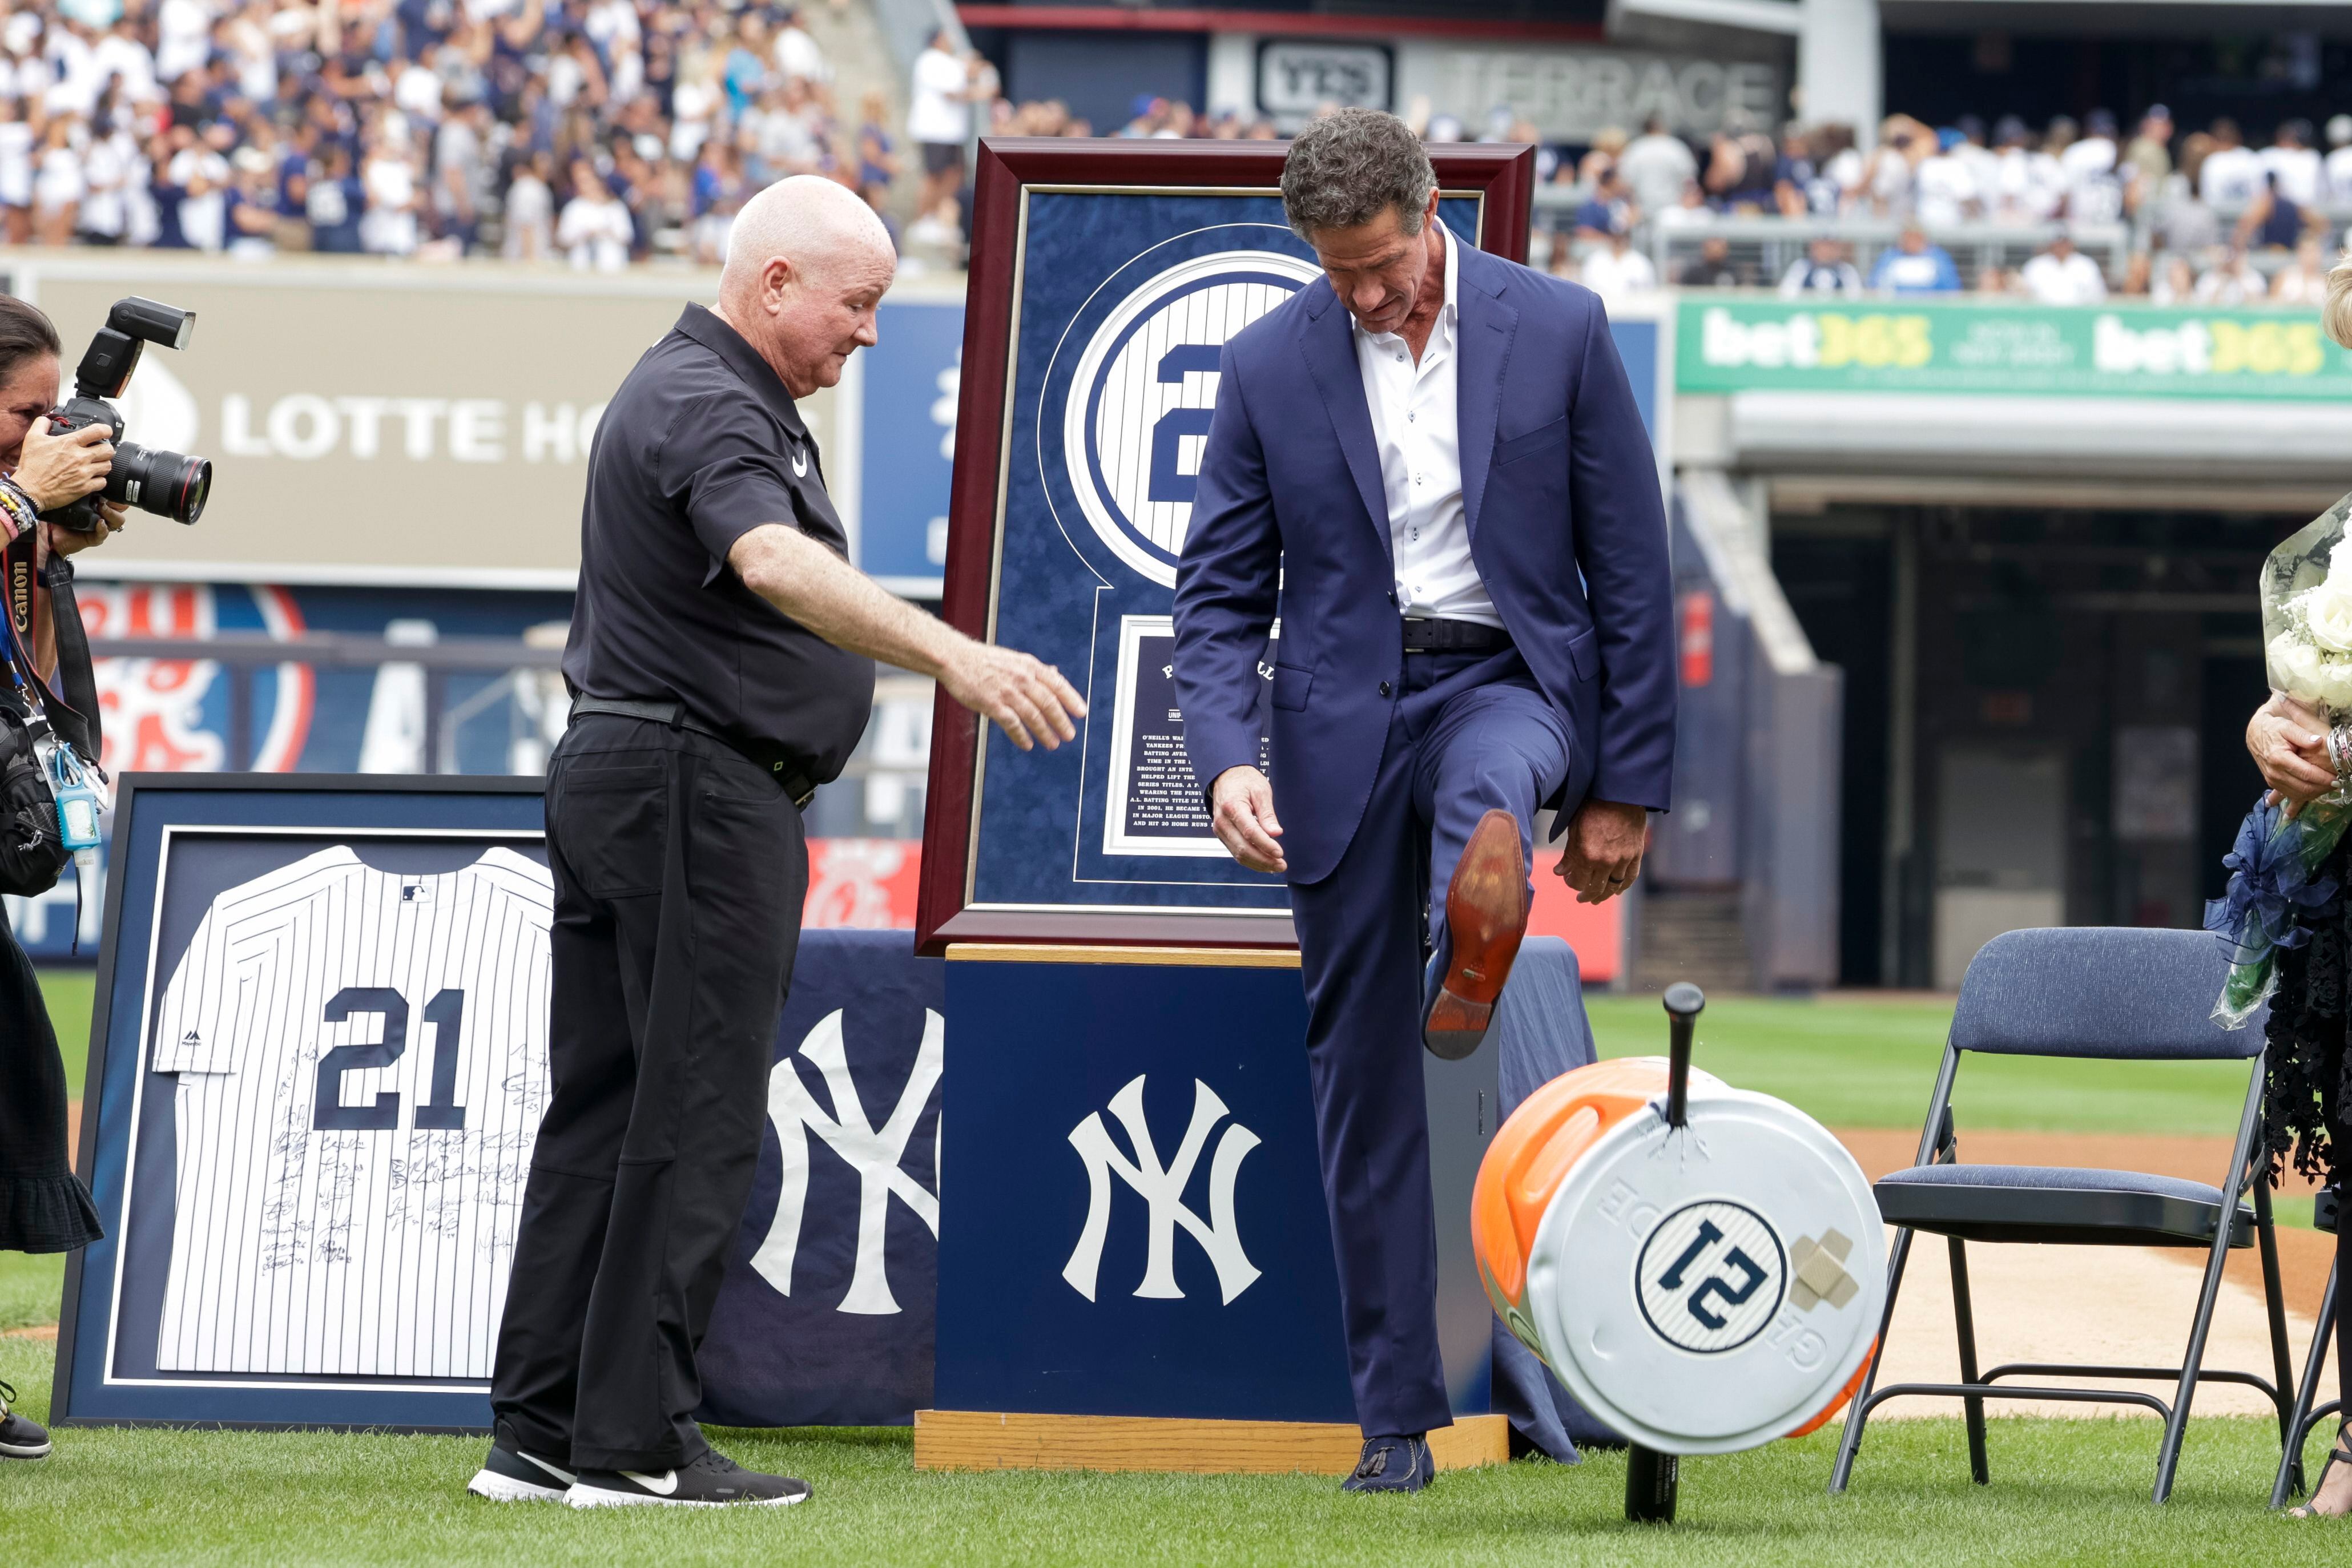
(362, 1061)
(318, 1063)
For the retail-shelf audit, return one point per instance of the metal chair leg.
(2274, 1306)
(2225, 1219)
(1849, 1441)
(2290, 1471)
(1964, 1316)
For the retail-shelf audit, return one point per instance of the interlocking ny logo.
(1163, 1189)
(873, 1154)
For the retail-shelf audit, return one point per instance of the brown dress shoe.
(1485, 916)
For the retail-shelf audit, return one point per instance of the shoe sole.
(23, 1451)
(506, 1488)
(596, 1497)
(1487, 918)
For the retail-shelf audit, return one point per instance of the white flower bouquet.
(2307, 615)
(2275, 880)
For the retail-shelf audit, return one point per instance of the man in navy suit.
(1429, 465)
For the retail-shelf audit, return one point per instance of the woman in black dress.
(44, 1207)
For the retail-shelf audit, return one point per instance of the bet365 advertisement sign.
(2115, 351)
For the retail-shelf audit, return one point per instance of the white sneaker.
(510, 1475)
(713, 1480)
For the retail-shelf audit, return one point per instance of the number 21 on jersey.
(440, 1111)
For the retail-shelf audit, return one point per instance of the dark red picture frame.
(1504, 175)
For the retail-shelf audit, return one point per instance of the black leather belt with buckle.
(796, 784)
(1425, 635)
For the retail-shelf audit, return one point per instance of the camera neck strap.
(74, 712)
(77, 717)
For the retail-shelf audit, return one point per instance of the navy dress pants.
(1471, 733)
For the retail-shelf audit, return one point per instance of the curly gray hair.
(1347, 168)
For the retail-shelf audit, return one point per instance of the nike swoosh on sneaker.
(566, 1477)
(666, 1486)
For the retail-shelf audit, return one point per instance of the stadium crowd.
(603, 132)
(2213, 221)
(596, 130)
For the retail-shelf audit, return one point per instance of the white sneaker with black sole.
(714, 1480)
(19, 1438)
(510, 1475)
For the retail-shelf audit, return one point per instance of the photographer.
(40, 471)
(44, 1207)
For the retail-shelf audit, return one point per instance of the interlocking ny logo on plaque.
(1162, 1190)
(1138, 412)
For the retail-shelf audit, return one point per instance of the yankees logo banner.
(319, 1061)
(828, 1311)
(1107, 280)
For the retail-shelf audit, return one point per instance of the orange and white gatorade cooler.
(1702, 1267)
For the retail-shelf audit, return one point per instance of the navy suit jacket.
(1559, 487)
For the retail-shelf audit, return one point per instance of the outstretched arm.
(1028, 700)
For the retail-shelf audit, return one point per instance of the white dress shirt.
(1416, 423)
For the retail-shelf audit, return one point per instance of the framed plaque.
(318, 1060)
(1106, 277)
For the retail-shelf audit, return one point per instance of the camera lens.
(168, 484)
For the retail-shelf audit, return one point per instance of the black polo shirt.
(700, 447)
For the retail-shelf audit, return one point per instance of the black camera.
(165, 483)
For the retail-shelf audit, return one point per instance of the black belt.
(1425, 635)
(796, 784)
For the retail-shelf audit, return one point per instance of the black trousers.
(680, 870)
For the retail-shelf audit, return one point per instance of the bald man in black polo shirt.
(721, 668)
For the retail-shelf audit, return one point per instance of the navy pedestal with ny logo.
(1134, 1223)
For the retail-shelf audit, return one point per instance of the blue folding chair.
(2111, 994)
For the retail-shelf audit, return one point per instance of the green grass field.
(67, 993)
(2065, 1491)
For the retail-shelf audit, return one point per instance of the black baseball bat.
(1683, 1002)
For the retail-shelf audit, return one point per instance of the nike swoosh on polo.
(799, 463)
(662, 1487)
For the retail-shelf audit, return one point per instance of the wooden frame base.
(995, 1440)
